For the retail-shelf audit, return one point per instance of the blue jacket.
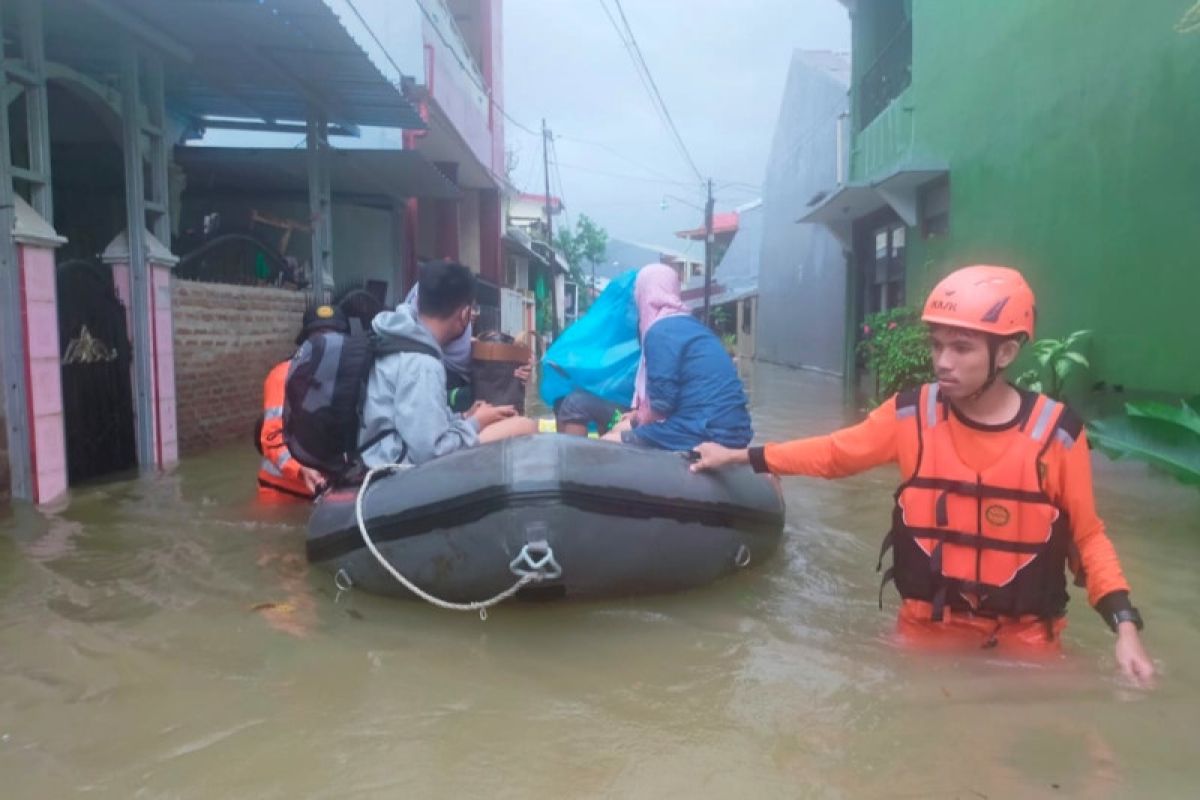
(692, 381)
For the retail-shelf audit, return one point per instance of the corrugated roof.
(269, 59)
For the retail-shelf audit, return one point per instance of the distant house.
(802, 280)
(536, 294)
(733, 294)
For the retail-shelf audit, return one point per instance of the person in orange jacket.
(279, 473)
(997, 498)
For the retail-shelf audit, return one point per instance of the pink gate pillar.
(160, 260)
(36, 242)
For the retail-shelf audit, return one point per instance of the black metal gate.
(96, 356)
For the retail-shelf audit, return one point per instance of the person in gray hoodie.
(406, 407)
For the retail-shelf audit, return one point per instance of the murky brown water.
(139, 658)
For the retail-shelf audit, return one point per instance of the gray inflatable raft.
(592, 518)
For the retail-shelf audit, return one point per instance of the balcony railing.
(887, 77)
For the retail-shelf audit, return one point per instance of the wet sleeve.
(848, 451)
(276, 451)
(271, 436)
(664, 356)
(1069, 484)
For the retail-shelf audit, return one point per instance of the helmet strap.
(993, 344)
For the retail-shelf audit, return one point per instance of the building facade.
(1059, 138)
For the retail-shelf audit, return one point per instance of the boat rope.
(542, 565)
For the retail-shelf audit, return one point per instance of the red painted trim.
(490, 262)
(157, 406)
(410, 136)
(30, 419)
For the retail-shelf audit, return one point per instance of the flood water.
(162, 637)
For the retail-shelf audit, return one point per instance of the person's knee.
(524, 426)
(508, 428)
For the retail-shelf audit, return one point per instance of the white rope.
(478, 605)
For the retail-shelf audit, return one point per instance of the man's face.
(460, 320)
(960, 360)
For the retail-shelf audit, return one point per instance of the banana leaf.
(1159, 434)
(1183, 415)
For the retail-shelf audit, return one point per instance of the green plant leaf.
(1042, 350)
(1183, 415)
(1075, 337)
(1162, 444)
(1078, 358)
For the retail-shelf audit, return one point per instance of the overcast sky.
(720, 66)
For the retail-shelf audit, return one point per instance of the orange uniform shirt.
(278, 471)
(877, 440)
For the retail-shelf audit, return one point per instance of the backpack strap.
(381, 346)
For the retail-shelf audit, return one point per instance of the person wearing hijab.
(687, 390)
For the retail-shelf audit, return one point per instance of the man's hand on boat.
(487, 414)
(314, 480)
(710, 455)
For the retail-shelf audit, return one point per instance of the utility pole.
(550, 229)
(708, 254)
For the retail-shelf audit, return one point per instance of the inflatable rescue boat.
(545, 516)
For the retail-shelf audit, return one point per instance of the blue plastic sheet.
(600, 352)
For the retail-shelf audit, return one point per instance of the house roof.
(736, 277)
(270, 60)
(723, 222)
(556, 203)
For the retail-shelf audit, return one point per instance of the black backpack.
(323, 398)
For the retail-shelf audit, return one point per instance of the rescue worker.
(997, 498)
(278, 473)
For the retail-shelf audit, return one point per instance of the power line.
(618, 154)
(648, 82)
(662, 104)
(625, 176)
(487, 92)
(558, 175)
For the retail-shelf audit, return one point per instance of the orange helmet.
(994, 300)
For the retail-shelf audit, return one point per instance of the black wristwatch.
(1125, 615)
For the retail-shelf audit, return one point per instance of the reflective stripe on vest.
(978, 531)
(273, 412)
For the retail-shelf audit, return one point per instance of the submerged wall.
(226, 340)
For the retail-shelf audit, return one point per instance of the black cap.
(322, 318)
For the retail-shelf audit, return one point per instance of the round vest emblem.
(997, 515)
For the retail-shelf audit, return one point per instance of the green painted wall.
(1072, 131)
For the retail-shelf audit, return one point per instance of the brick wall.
(226, 340)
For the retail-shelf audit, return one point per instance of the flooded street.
(162, 637)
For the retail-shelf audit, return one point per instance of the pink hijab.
(657, 294)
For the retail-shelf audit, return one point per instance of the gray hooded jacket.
(406, 394)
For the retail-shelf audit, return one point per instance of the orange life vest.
(277, 471)
(991, 542)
